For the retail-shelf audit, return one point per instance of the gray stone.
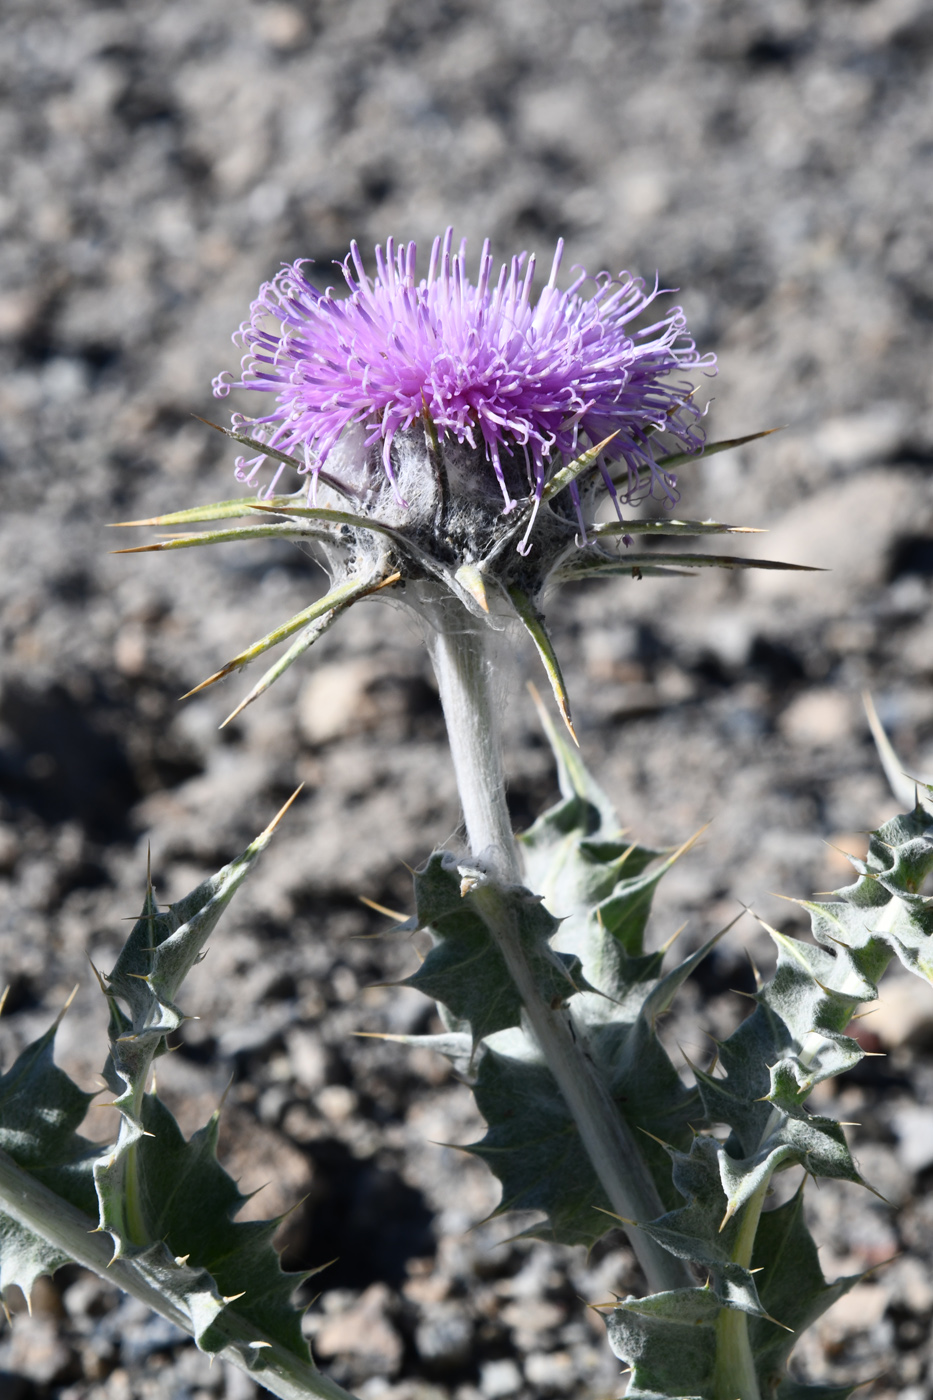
(498, 1379)
(444, 1335)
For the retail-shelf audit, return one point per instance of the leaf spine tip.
(218, 675)
(279, 814)
(775, 1323)
(666, 1145)
(615, 1216)
(381, 909)
(60, 1017)
(382, 1035)
(665, 947)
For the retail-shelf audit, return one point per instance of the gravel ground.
(161, 159)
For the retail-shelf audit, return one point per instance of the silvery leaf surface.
(670, 1339)
(154, 1187)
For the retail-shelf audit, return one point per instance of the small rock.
(818, 717)
(364, 1333)
(863, 437)
(36, 1350)
(871, 508)
(551, 1372)
(908, 1284)
(308, 1058)
(529, 1317)
(499, 1378)
(904, 1013)
(89, 1297)
(282, 26)
(444, 1336)
(856, 1311)
(334, 701)
(337, 1102)
(914, 1128)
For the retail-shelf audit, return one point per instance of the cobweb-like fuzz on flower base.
(459, 440)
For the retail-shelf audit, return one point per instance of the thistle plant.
(461, 449)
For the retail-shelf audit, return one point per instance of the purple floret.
(490, 368)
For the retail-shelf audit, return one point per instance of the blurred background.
(160, 160)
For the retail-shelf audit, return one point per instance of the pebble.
(551, 1372)
(869, 509)
(334, 701)
(499, 1378)
(365, 1333)
(818, 717)
(903, 1014)
(856, 1311)
(913, 1124)
(35, 1350)
(444, 1335)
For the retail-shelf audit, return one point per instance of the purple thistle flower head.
(441, 422)
(524, 387)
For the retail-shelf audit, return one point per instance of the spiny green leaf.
(41, 1109)
(792, 1291)
(158, 955)
(188, 1201)
(330, 516)
(532, 1145)
(577, 856)
(576, 784)
(669, 1341)
(696, 1231)
(581, 840)
(579, 571)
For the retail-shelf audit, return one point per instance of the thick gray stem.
(458, 647)
(73, 1233)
